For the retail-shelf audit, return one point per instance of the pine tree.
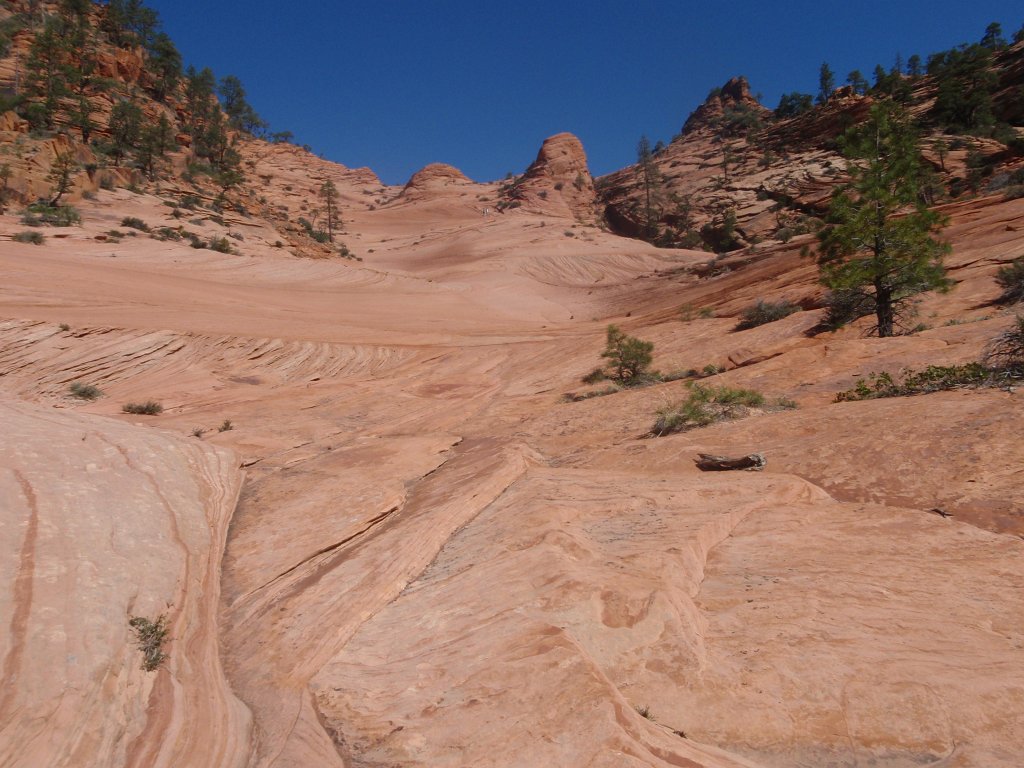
(793, 104)
(329, 194)
(130, 22)
(81, 118)
(59, 177)
(155, 141)
(628, 356)
(857, 82)
(965, 81)
(650, 180)
(125, 128)
(75, 9)
(47, 71)
(165, 64)
(229, 169)
(826, 83)
(199, 103)
(993, 38)
(241, 115)
(878, 243)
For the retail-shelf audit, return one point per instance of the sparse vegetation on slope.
(933, 378)
(705, 405)
(84, 391)
(764, 312)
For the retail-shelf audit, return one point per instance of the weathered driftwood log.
(755, 462)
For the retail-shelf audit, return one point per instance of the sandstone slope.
(434, 557)
(103, 522)
(435, 561)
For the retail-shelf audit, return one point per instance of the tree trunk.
(884, 311)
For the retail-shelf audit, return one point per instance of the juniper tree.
(879, 241)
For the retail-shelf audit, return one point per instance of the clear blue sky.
(397, 84)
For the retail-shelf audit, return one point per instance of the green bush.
(706, 405)
(33, 238)
(133, 223)
(150, 637)
(220, 244)
(765, 312)
(934, 378)
(629, 357)
(1011, 279)
(40, 214)
(84, 391)
(148, 408)
(317, 234)
(166, 233)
